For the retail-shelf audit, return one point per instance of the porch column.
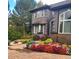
(34, 29)
(39, 28)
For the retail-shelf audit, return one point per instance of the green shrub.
(49, 40)
(35, 37)
(27, 37)
(23, 37)
(40, 33)
(30, 33)
(13, 35)
(29, 41)
(24, 41)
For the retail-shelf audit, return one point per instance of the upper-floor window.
(40, 13)
(37, 14)
(65, 22)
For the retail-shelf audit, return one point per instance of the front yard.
(18, 52)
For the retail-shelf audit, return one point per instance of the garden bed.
(44, 43)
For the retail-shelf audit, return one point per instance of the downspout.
(58, 22)
(48, 24)
(48, 27)
(57, 27)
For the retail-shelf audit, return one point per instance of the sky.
(13, 2)
(49, 1)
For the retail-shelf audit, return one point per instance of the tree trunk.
(24, 29)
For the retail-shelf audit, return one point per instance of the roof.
(58, 5)
(40, 8)
(62, 4)
(42, 20)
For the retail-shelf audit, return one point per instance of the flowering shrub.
(41, 36)
(49, 40)
(35, 37)
(50, 48)
(45, 43)
(41, 42)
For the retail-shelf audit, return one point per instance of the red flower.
(48, 48)
(40, 47)
(63, 51)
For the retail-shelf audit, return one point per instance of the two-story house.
(52, 19)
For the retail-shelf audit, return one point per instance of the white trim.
(39, 28)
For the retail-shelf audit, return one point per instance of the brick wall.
(62, 38)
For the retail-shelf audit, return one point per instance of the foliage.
(49, 40)
(29, 41)
(40, 33)
(22, 7)
(35, 37)
(39, 4)
(41, 42)
(30, 33)
(13, 34)
(42, 37)
(27, 36)
(24, 41)
(51, 48)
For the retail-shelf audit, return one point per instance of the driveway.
(18, 52)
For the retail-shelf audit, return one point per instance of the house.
(53, 19)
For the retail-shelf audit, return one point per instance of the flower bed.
(51, 48)
(46, 44)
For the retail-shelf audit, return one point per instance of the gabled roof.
(58, 5)
(62, 4)
(40, 8)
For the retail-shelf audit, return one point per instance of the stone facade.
(48, 18)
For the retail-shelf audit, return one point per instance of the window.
(38, 28)
(61, 27)
(65, 22)
(46, 12)
(40, 13)
(67, 26)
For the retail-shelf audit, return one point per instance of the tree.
(39, 4)
(22, 7)
(8, 6)
(13, 33)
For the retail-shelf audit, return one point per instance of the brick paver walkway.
(17, 52)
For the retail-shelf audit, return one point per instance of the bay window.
(38, 28)
(65, 22)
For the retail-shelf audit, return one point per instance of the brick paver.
(17, 52)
